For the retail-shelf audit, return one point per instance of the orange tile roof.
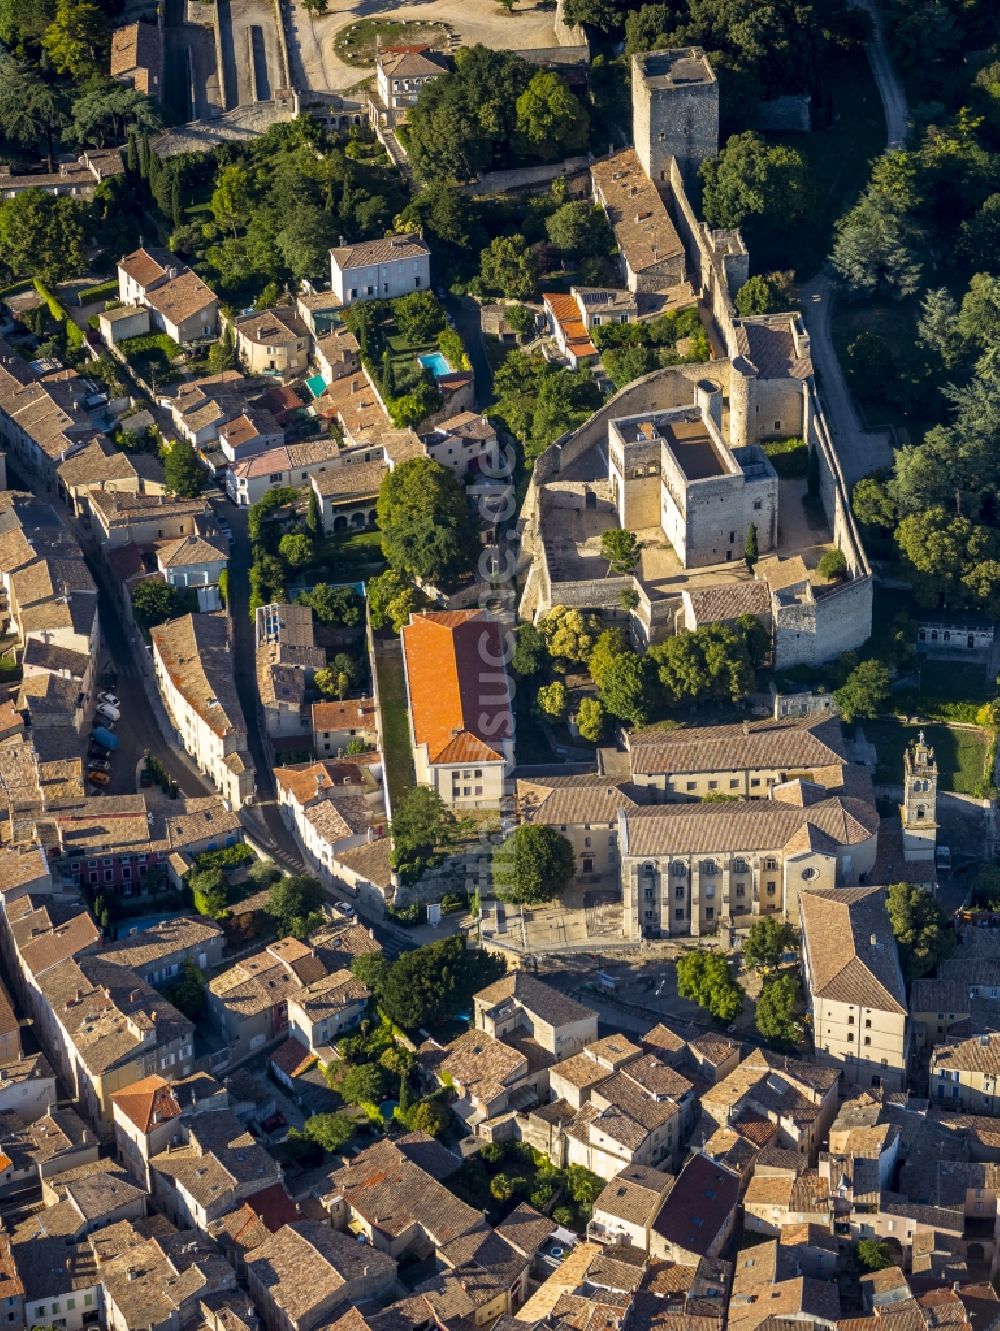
(292, 1058)
(459, 699)
(145, 1100)
(566, 313)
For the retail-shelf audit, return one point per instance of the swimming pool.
(316, 385)
(436, 363)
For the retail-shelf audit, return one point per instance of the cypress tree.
(175, 199)
(388, 376)
(131, 154)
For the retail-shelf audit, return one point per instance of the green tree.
(703, 977)
(873, 1255)
(187, 992)
(419, 316)
(832, 565)
(530, 653)
(775, 1015)
(334, 605)
(371, 969)
(978, 321)
(772, 293)
(766, 942)
(296, 549)
(315, 7)
(625, 691)
(590, 719)
(294, 901)
(609, 646)
(622, 549)
(752, 184)
(430, 983)
(864, 693)
(552, 699)
(363, 1084)
(429, 1116)
(578, 229)
(534, 863)
(584, 1186)
(508, 266)
(938, 328)
(388, 377)
(42, 236)
(423, 515)
(751, 547)
(978, 240)
(330, 1131)
(569, 634)
(336, 679)
(392, 598)
(74, 38)
(105, 108)
(550, 121)
(232, 198)
(314, 517)
(421, 823)
(31, 111)
(182, 471)
(501, 1187)
(920, 928)
(873, 503)
(155, 601)
(209, 893)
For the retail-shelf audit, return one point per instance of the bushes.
(74, 335)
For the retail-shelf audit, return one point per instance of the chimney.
(746, 727)
(873, 940)
(131, 1273)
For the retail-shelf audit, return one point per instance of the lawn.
(358, 43)
(397, 756)
(151, 355)
(961, 754)
(838, 157)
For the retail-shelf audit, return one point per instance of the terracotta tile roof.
(701, 1202)
(536, 997)
(421, 62)
(351, 482)
(372, 860)
(389, 250)
(768, 344)
(980, 1053)
(196, 652)
(351, 714)
(276, 327)
(182, 297)
(566, 314)
(292, 1058)
(459, 706)
(728, 600)
(846, 966)
(147, 1102)
(635, 1195)
(638, 216)
(149, 265)
(187, 550)
(571, 800)
(793, 745)
(749, 825)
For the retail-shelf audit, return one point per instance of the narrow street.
(139, 728)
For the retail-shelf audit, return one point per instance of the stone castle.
(676, 456)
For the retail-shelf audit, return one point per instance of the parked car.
(107, 714)
(103, 736)
(274, 1122)
(99, 764)
(111, 699)
(98, 778)
(345, 909)
(145, 778)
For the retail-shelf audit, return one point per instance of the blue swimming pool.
(316, 385)
(436, 363)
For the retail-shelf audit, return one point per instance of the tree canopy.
(864, 693)
(920, 928)
(767, 941)
(704, 978)
(183, 472)
(775, 1013)
(423, 515)
(294, 901)
(430, 983)
(534, 863)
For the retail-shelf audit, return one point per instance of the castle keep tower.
(919, 807)
(675, 111)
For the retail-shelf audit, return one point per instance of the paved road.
(860, 451)
(894, 104)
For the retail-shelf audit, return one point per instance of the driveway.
(894, 105)
(469, 322)
(530, 26)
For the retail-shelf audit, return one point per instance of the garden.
(963, 754)
(153, 356)
(358, 43)
(502, 1175)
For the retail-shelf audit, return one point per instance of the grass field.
(949, 691)
(961, 754)
(788, 457)
(397, 756)
(152, 354)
